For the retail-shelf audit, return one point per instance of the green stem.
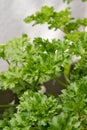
(7, 105)
(67, 79)
(60, 82)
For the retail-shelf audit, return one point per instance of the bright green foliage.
(75, 25)
(39, 112)
(30, 64)
(5, 118)
(69, 1)
(80, 69)
(79, 46)
(48, 15)
(34, 112)
(58, 20)
(14, 52)
(74, 104)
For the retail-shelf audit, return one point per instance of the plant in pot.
(42, 62)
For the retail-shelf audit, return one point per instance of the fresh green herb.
(31, 64)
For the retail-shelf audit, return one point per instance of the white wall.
(12, 13)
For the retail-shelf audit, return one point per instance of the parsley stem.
(61, 83)
(7, 105)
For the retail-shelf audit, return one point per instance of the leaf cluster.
(34, 112)
(62, 20)
(32, 64)
(74, 108)
(69, 1)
